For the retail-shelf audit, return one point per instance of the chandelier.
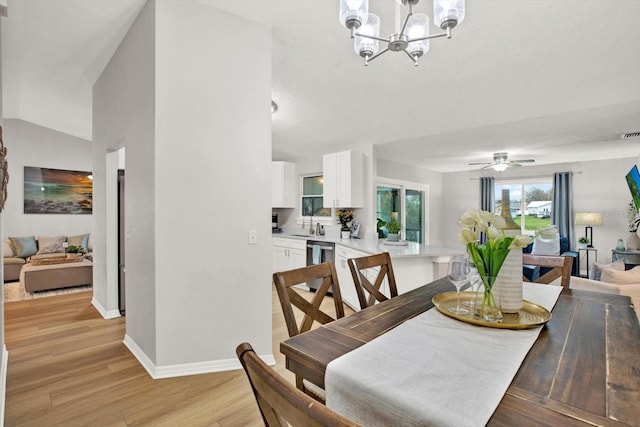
(412, 37)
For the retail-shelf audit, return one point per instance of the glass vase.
(488, 305)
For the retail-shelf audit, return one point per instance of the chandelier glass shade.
(412, 37)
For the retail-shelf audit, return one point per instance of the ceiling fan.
(501, 162)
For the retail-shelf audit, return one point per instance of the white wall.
(212, 183)
(197, 136)
(598, 186)
(124, 115)
(32, 145)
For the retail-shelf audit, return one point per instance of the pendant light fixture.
(411, 36)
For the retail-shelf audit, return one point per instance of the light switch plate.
(253, 237)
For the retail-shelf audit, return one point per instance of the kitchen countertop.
(375, 246)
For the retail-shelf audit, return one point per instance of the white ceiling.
(553, 80)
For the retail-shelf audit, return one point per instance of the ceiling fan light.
(448, 13)
(418, 27)
(500, 167)
(365, 46)
(353, 13)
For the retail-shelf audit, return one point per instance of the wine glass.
(459, 269)
(474, 283)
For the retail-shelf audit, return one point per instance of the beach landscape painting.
(56, 191)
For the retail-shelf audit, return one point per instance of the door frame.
(408, 185)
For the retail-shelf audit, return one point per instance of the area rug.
(13, 291)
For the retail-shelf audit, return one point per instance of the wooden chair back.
(560, 267)
(290, 297)
(370, 292)
(280, 403)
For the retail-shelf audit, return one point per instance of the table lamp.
(589, 219)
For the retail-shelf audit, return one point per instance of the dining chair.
(370, 292)
(560, 266)
(280, 403)
(291, 296)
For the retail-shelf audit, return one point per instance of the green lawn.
(532, 222)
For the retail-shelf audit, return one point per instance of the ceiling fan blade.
(488, 166)
(479, 163)
(524, 161)
(513, 164)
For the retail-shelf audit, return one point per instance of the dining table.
(583, 368)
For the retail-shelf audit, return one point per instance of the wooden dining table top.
(584, 368)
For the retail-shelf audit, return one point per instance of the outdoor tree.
(535, 194)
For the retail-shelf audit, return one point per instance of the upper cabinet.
(342, 175)
(283, 185)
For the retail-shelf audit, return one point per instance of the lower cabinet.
(347, 287)
(289, 254)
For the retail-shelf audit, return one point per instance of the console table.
(631, 258)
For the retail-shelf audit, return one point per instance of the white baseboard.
(170, 371)
(106, 314)
(3, 382)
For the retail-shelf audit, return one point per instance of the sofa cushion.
(7, 249)
(79, 240)
(596, 268)
(24, 246)
(542, 246)
(50, 245)
(629, 277)
(13, 261)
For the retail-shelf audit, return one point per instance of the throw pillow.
(50, 245)
(79, 240)
(630, 277)
(542, 246)
(7, 249)
(596, 268)
(24, 246)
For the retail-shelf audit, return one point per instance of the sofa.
(628, 285)
(24, 260)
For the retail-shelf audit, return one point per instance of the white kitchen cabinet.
(343, 185)
(347, 287)
(283, 185)
(289, 254)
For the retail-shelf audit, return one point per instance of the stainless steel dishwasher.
(318, 252)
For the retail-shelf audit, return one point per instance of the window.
(530, 202)
(312, 197)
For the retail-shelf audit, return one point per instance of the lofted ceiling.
(556, 81)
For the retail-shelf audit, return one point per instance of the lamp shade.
(418, 27)
(448, 13)
(353, 13)
(365, 46)
(588, 218)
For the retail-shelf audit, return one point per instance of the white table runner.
(432, 370)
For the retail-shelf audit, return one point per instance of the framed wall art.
(56, 191)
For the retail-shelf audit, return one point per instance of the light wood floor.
(69, 367)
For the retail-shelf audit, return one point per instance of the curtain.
(487, 198)
(563, 205)
(487, 193)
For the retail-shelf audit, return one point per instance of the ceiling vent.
(631, 135)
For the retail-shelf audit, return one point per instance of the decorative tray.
(529, 316)
(54, 260)
(398, 243)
